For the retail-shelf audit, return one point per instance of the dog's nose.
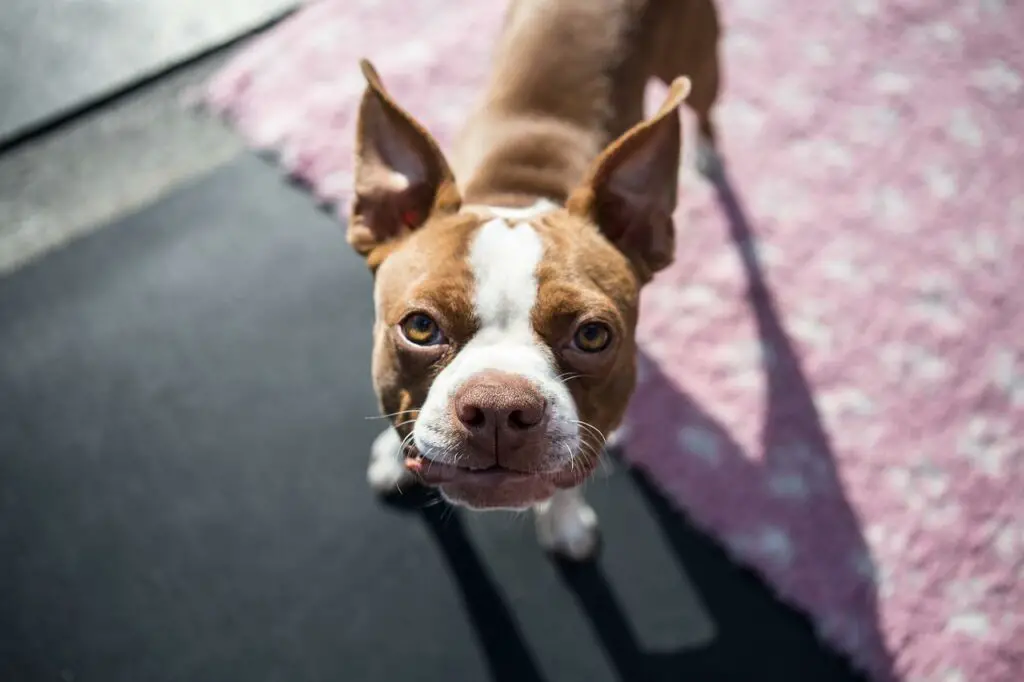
(502, 415)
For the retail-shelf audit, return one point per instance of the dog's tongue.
(431, 472)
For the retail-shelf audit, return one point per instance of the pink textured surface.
(833, 371)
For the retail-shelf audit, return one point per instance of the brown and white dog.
(507, 275)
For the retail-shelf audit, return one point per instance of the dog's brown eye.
(421, 330)
(592, 337)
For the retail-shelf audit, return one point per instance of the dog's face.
(504, 344)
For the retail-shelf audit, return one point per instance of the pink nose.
(502, 417)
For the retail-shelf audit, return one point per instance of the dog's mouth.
(435, 473)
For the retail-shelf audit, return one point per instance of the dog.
(507, 274)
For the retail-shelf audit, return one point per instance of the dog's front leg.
(567, 525)
(387, 473)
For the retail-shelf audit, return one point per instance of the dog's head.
(504, 338)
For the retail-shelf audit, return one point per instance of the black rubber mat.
(56, 56)
(184, 433)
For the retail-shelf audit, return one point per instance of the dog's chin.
(511, 494)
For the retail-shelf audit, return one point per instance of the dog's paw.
(387, 473)
(567, 526)
(614, 441)
(708, 161)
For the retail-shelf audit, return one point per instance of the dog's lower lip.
(436, 473)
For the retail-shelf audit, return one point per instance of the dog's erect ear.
(401, 177)
(632, 187)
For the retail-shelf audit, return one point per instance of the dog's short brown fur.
(559, 183)
(569, 78)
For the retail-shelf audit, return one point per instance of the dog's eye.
(592, 337)
(421, 330)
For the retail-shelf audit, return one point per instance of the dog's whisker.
(592, 429)
(602, 461)
(391, 414)
(590, 451)
(405, 444)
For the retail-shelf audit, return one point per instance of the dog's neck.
(538, 129)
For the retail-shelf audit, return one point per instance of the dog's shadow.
(790, 414)
(504, 647)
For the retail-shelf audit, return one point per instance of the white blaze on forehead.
(504, 262)
(503, 258)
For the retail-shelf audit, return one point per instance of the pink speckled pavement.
(833, 370)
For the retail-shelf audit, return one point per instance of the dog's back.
(569, 77)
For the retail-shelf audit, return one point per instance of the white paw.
(709, 163)
(567, 525)
(387, 473)
(615, 439)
